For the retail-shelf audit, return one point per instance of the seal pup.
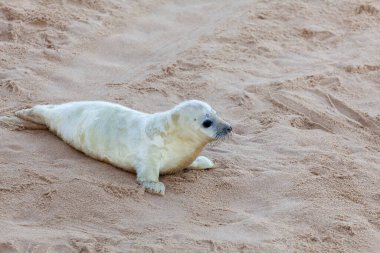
(146, 144)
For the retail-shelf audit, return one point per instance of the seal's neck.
(179, 128)
(173, 128)
(181, 143)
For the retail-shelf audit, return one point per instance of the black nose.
(228, 129)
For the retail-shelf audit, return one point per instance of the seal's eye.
(207, 123)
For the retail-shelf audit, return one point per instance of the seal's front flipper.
(201, 163)
(16, 123)
(147, 176)
(153, 187)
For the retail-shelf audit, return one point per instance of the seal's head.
(201, 119)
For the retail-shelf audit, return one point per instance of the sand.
(298, 80)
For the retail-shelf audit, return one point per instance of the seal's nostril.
(229, 129)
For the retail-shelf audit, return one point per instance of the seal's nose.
(228, 129)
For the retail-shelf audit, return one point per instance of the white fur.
(147, 144)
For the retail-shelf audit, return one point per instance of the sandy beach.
(298, 80)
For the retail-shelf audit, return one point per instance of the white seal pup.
(146, 144)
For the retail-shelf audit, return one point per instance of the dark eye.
(207, 123)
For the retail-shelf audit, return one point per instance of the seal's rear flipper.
(32, 114)
(16, 123)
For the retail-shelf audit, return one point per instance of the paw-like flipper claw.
(153, 187)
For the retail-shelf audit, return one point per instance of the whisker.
(221, 136)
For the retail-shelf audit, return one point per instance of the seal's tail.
(26, 119)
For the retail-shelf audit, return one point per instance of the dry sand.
(298, 80)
